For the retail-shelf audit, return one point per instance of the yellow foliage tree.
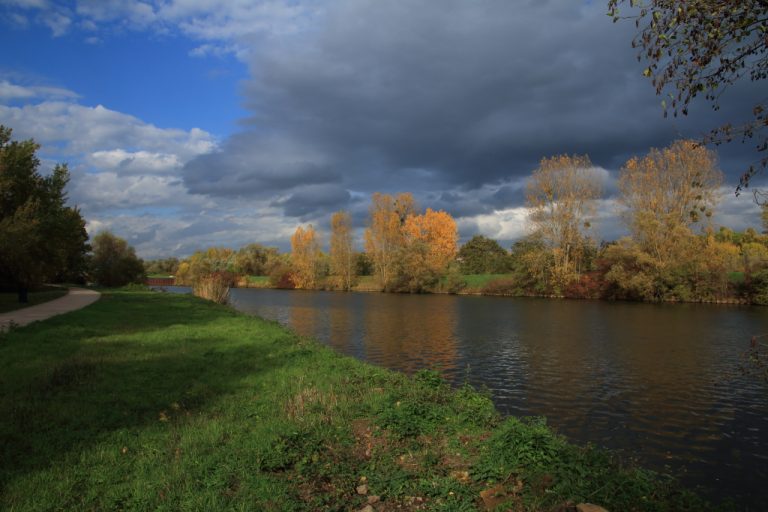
(342, 250)
(305, 257)
(561, 195)
(384, 237)
(666, 193)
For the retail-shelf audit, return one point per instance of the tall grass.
(213, 287)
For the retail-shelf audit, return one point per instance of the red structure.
(160, 281)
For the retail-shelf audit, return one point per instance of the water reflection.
(656, 381)
(412, 333)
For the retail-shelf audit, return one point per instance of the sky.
(196, 123)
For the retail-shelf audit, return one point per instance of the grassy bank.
(149, 401)
(10, 301)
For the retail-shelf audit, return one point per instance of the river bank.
(147, 400)
(491, 285)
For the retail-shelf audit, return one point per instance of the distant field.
(736, 277)
(480, 280)
(10, 301)
(160, 276)
(261, 281)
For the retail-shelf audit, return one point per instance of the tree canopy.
(114, 262)
(41, 238)
(699, 48)
(483, 255)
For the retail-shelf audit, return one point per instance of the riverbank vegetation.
(672, 252)
(160, 401)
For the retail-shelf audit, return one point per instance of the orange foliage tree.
(434, 237)
(305, 257)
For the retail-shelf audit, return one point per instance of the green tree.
(252, 259)
(114, 262)
(699, 48)
(483, 255)
(40, 237)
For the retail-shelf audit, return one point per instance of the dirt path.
(76, 298)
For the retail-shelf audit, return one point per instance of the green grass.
(160, 276)
(736, 277)
(258, 281)
(10, 301)
(151, 401)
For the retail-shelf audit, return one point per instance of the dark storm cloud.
(313, 199)
(260, 165)
(443, 99)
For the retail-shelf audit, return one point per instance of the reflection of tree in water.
(303, 314)
(410, 333)
(341, 323)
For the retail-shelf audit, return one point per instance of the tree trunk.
(23, 294)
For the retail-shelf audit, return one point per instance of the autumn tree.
(666, 194)
(437, 231)
(305, 257)
(483, 255)
(561, 195)
(383, 237)
(700, 48)
(342, 255)
(429, 245)
(764, 217)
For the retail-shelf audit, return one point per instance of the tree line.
(42, 240)
(672, 252)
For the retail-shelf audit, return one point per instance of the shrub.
(502, 287)
(281, 276)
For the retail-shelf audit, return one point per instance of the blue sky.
(190, 123)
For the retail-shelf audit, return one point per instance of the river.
(659, 383)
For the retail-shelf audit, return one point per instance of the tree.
(343, 261)
(252, 260)
(305, 257)
(383, 237)
(561, 195)
(436, 230)
(764, 217)
(162, 266)
(429, 246)
(40, 237)
(701, 47)
(483, 255)
(114, 262)
(666, 193)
